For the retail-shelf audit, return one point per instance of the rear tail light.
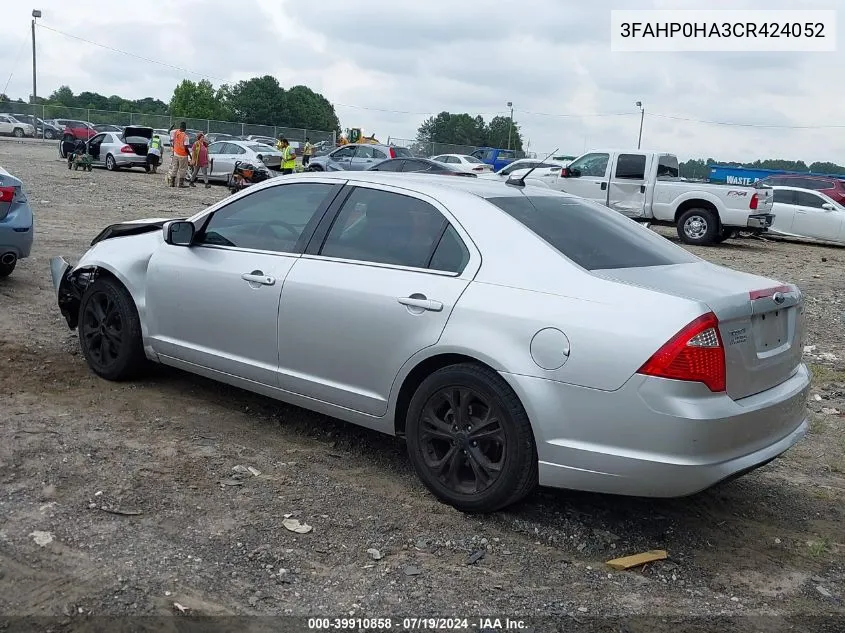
(755, 200)
(126, 150)
(392, 152)
(694, 354)
(7, 194)
(478, 169)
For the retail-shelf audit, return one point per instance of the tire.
(512, 448)
(6, 269)
(110, 331)
(698, 227)
(111, 164)
(49, 135)
(724, 234)
(314, 168)
(17, 132)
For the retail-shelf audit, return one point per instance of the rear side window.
(667, 167)
(784, 196)
(591, 235)
(401, 151)
(451, 254)
(630, 166)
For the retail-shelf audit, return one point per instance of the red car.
(78, 129)
(832, 187)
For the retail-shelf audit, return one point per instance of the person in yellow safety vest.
(288, 156)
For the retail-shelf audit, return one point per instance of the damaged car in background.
(16, 223)
(513, 335)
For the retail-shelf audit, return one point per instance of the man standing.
(199, 158)
(181, 154)
(154, 153)
(307, 152)
(288, 157)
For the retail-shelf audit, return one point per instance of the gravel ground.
(76, 452)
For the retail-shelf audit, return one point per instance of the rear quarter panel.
(732, 203)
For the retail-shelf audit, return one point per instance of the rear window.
(472, 159)
(402, 151)
(592, 236)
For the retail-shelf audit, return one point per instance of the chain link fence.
(164, 121)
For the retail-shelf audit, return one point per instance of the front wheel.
(49, 135)
(111, 164)
(698, 227)
(110, 331)
(314, 168)
(470, 440)
(18, 132)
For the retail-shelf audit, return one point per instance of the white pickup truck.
(645, 187)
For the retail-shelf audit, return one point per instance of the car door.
(588, 177)
(627, 187)
(215, 304)
(226, 159)
(816, 217)
(783, 208)
(6, 126)
(362, 159)
(99, 147)
(339, 159)
(376, 285)
(217, 163)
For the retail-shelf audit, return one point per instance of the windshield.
(260, 147)
(591, 235)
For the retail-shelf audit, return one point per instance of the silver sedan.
(224, 154)
(513, 336)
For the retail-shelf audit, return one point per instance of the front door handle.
(257, 277)
(422, 303)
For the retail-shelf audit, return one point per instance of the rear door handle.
(257, 277)
(425, 304)
(603, 186)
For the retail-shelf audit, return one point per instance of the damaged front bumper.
(69, 285)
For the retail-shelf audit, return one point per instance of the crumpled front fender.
(70, 284)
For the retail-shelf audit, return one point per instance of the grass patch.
(823, 375)
(818, 425)
(819, 547)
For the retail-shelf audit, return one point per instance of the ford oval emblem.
(778, 298)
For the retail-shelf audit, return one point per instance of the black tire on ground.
(18, 132)
(314, 168)
(698, 227)
(49, 135)
(6, 269)
(110, 331)
(724, 234)
(487, 459)
(111, 164)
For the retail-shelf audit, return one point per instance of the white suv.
(10, 126)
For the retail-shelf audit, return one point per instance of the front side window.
(385, 228)
(590, 234)
(594, 165)
(364, 152)
(273, 219)
(806, 199)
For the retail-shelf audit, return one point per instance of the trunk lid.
(138, 133)
(11, 193)
(761, 321)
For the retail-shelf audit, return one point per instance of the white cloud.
(549, 57)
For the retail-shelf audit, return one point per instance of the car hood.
(137, 131)
(131, 227)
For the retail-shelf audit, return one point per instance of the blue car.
(16, 223)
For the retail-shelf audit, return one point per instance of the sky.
(388, 65)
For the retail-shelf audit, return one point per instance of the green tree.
(827, 168)
(500, 134)
(464, 129)
(3, 97)
(196, 100)
(258, 100)
(307, 109)
(63, 96)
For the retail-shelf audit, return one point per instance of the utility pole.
(36, 13)
(510, 127)
(642, 116)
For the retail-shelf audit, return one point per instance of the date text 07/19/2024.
(416, 624)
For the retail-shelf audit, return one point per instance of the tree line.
(259, 100)
(465, 129)
(700, 167)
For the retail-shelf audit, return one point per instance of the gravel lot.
(74, 449)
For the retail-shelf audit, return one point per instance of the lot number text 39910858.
(409, 624)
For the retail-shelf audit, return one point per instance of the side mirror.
(179, 233)
(828, 207)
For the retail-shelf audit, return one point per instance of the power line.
(15, 65)
(752, 125)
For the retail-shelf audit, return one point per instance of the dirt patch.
(135, 482)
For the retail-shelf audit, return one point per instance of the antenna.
(520, 182)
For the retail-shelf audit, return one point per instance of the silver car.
(119, 150)
(356, 157)
(512, 335)
(224, 154)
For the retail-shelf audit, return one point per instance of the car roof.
(811, 177)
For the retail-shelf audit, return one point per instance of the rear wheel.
(470, 440)
(314, 168)
(110, 331)
(698, 227)
(49, 135)
(724, 234)
(111, 164)
(6, 269)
